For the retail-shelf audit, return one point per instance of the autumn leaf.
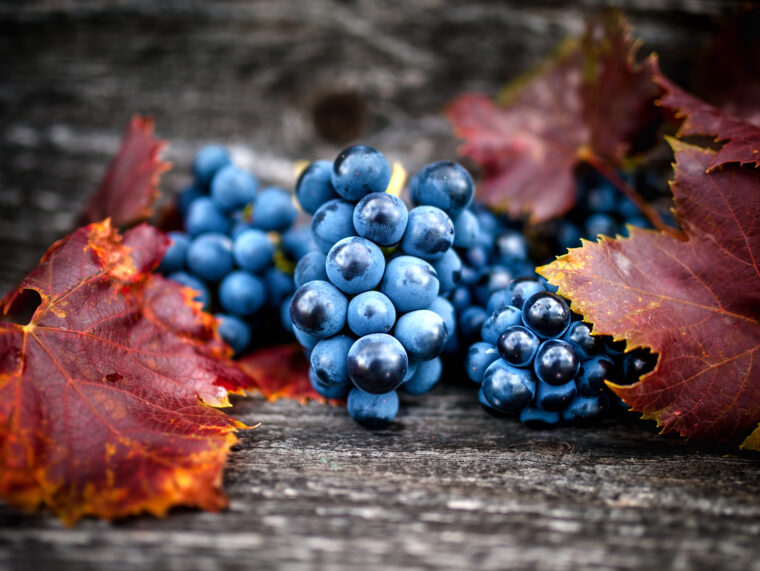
(739, 138)
(590, 102)
(106, 393)
(130, 186)
(280, 371)
(696, 301)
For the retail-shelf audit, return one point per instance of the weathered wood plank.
(446, 486)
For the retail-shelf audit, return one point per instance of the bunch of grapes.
(600, 209)
(237, 245)
(368, 308)
(538, 360)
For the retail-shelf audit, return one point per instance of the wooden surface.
(446, 486)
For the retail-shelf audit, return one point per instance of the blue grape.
(443, 307)
(297, 242)
(429, 233)
(209, 256)
(422, 333)
(253, 250)
(534, 416)
(602, 198)
(449, 270)
(187, 196)
(479, 357)
(471, 322)
(306, 341)
(496, 301)
(476, 257)
(426, 376)
(554, 398)
(518, 346)
(568, 235)
(466, 230)
(189, 280)
(318, 309)
(410, 283)
(586, 409)
(235, 332)
(371, 312)
(592, 374)
(328, 359)
(203, 216)
(638, 363)
(556, 362)
(578, 334)
(174, 257)
(507, 388)
(460, 298)
(208, 161)
(333, 221)
(373, 411)
(274, 211)
(626, 208)
(381, 217)
(328, 391)
(377, 363)
(491, 280)
(241, 293)
(547, 314)
(359, 170)
(233, 188)
(279, 286)
(498, 322)
(444, 184)
(597, 224)
(309, 268)
(355, 265)
(314, 188)
(614, 348)
(410, 370)
(510, 247)
(521, 289)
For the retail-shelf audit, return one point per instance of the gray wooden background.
(446, 486)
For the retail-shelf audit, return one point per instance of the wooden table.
(446, 485)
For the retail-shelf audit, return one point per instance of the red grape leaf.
(591, 98)
(280, 371)
(695, 302)
(130, 186)
(106, 393)
(699, 118)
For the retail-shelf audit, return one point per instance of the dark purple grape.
(556, 362)
(547, 314)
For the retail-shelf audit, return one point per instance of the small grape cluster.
(600, 209)
(368, 308)
(538, 360)
(234, 233)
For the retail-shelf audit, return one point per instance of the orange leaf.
(130, 186)
(106, 392)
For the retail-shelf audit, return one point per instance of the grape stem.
(647, 209)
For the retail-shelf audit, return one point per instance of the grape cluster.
(237, 246)
(600, 209)
(537, 360)
(369, 307)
